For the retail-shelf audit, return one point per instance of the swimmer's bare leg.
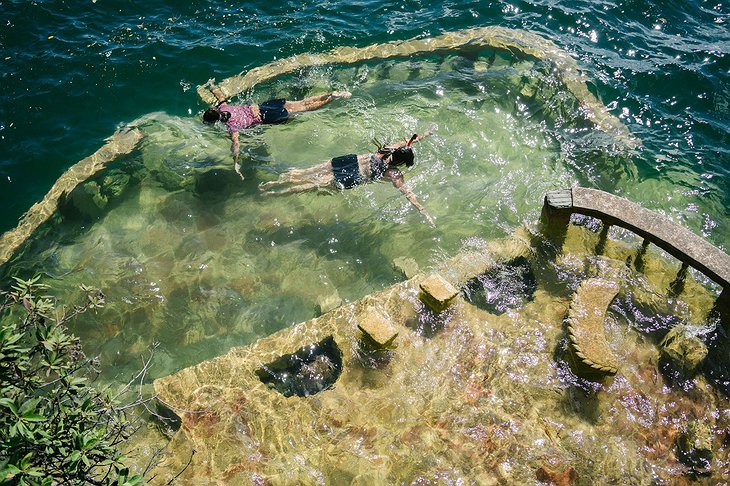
(314, 102)
(293, 189)
(271, 184)
(284, 179)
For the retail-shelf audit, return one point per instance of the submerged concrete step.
(586, 326)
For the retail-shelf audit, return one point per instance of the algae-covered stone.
(326, 303)
(88, 199)
(695, 447)
(169, 179)
(194, 334)
(684, 349)
(437, 292)
(407, 266)
(377, 331)
(528, 90)
(399, 72)
(481, 65)
(115, 184)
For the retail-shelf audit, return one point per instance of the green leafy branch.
(55, 428)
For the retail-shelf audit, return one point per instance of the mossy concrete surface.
(484, 399)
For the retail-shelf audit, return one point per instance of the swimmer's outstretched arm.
(416, 137)
(235, 150)
(218, 94)
(235, 144)
(396, 177)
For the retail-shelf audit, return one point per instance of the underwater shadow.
(505, 286)
(309, 370)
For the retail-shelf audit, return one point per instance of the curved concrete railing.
(518, 41)
(121, 143)
(676, 240)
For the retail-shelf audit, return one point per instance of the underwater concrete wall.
(515, 41)
(120, 143)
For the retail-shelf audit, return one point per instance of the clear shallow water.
(663, 67)
(663, 70)
(192, 257)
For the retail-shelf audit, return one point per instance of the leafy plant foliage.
(55, 427)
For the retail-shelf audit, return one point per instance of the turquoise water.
(208, 266)
(79, 69)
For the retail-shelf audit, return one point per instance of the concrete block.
(377, 331)
(437, 293)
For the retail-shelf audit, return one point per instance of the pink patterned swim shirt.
(242, 116)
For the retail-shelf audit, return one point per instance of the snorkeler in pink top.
(240, 117)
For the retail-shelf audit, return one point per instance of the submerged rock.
(407, 266)
(326, 303)
(556, 477)
(88, 200)
(684, 350)
(694, 446)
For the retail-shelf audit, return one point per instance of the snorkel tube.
(413, 139)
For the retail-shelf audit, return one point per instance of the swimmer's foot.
(264, 186)
(340, 94)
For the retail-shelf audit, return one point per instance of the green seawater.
(191, 257)
(198, 260)
(194, 258)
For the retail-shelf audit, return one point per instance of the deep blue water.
(73, 71)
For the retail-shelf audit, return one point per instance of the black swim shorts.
(273, 111)
(346, 171)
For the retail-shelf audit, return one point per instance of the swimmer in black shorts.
(347, 171)
(240, 117)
